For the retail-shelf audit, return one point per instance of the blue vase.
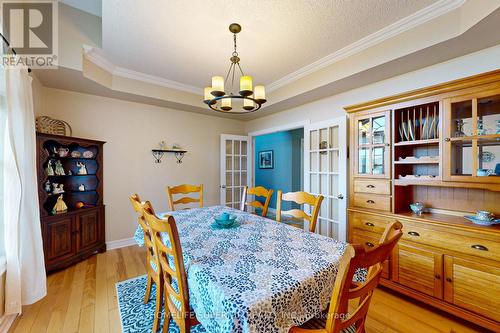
(497, 169)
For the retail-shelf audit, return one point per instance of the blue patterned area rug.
(135, 316)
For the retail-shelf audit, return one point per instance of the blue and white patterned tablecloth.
(263, 276)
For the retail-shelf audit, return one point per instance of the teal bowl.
(225, 223)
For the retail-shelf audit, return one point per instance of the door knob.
(223, 186)
(340, 196)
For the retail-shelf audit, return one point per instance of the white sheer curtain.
(25, 279)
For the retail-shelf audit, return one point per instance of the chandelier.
(219, 100)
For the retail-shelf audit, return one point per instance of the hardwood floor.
(82, 298)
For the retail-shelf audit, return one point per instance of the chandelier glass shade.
(249, 97)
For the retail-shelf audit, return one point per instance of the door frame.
(343, 124)
(222, 162)
(281, 128)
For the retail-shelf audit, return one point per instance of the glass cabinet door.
(372, 142)
(472, 138)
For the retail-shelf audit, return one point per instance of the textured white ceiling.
(189, 41)
(90, 6)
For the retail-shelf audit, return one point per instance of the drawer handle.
(479, 247)
(370, 224)
(370, 186)
(370, 201)
(449, 280)
(369, 244)
(437, 276)
(413, 233)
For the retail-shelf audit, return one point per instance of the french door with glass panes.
(371, 151)
(234, 168)
(325, 173)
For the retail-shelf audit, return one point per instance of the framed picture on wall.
(266, 159)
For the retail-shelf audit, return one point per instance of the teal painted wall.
(286, 174)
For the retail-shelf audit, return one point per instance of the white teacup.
(484, 215)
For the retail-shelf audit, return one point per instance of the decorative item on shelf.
(459, 132)
(322, 146)
(82, 169)
(176, 150)
(76, 154)
(480, 127)
(88, 154)
(162, 145)
(411, 129)
(498, 127)
(417, 208)
(57, 188)
(81, 204)
(485, 172)
(483, 217)
(486, 156)
(497, 169)
(59, 170)
(48, 125)
(70, 173)
(421, 177)
(48, 187)
(410, 159)
(60, 206)
(61, 151)
(218, 99)
(49, 169)
(81, 187)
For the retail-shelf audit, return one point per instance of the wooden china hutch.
(439, 146)
(70, 169)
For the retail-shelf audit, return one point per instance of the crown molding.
(131, 74)
(426, 14)
(93, 55)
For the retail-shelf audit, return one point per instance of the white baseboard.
(116, 244)
(6, 322)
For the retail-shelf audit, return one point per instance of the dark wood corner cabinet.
(439, 146)
(77, 175)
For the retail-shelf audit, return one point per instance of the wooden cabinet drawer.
(368, 222)
(464, 242)
(373, 201)
(373, 186)
(369, 240)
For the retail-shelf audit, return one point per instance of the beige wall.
(131, 131)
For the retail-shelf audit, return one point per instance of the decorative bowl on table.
(224, 221)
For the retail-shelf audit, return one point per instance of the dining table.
(258, 277)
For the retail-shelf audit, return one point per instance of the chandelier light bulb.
(246, 85)
(217, 86)
(260, 94)
(248, 104)
(226, 104)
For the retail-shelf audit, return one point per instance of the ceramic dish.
(225, 222)
(233, 224)
(474, 220)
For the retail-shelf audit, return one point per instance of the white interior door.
(235, 168)
(325, 173)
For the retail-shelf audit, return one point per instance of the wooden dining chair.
(300, 198)
(258, 191)
(340, 318)
(138, 206)
(184, 189)
(153, 266)
(175, 287)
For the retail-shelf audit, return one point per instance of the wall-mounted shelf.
(158, 154)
